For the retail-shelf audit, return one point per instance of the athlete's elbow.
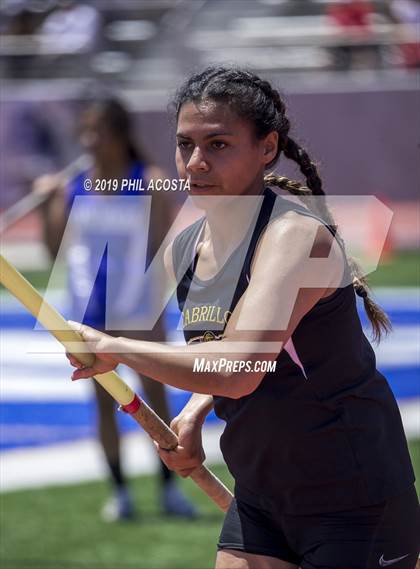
(237, 385)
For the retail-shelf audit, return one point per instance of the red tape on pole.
(132, 407)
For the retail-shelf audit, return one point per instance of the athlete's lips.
(201, 185)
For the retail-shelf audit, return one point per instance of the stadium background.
(352, 94)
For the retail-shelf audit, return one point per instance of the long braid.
(291, 186)
(254, 99)
(296, 153)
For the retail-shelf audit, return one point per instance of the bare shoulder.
(301, 227)
(294, 232)
(292, 239)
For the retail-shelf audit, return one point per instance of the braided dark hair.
(255, 100)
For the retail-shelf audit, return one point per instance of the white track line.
(81, 461)
(72, 463)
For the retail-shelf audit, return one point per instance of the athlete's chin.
(205, 190)
(209, 200)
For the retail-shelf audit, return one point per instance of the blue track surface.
(34, 423)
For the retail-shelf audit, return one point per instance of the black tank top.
(321, 433)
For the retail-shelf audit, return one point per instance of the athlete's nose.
(197, 162)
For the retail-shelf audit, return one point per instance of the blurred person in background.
(106, 136)
(353, 17)
(408, 12)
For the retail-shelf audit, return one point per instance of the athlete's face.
(219, 153)
(96, 137)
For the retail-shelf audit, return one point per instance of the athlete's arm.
(197, 408)
(280, 264)
(53, 209)
(187, 425)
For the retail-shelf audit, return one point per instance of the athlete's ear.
(270, 144)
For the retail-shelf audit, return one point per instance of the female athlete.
(316, 447)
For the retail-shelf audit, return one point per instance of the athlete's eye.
(218, 144)
(183, 144)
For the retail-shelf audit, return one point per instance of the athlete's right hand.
(189, 453)
(102, 345)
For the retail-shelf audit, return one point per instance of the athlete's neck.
(228, 223)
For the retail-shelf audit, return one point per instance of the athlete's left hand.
(189, 453)
(101, 345)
